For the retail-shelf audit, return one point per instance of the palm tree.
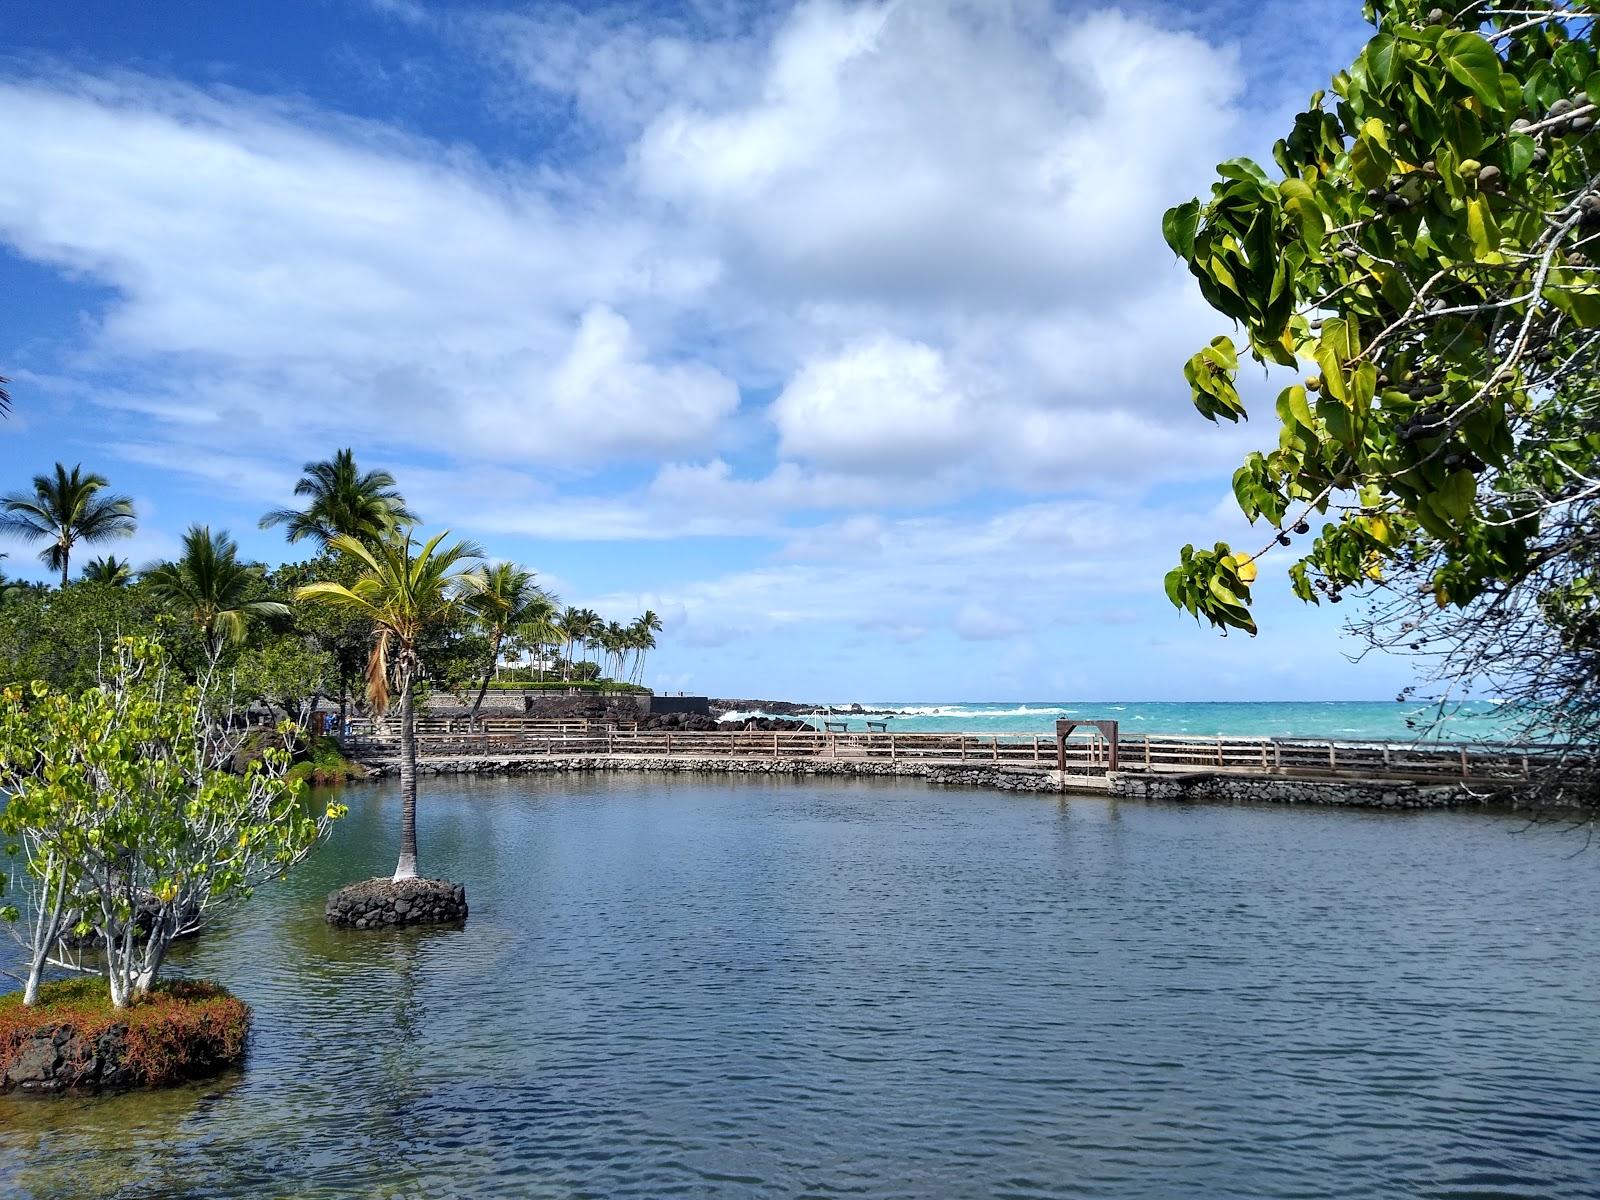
(344, 500)
(66, 510)
(109, 570)
(541, 626)
(210, 585)
(594, 628)
(578, 627)
(403, 591)
(645, 629)
(613, 640)
(506, 600)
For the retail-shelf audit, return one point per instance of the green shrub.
(179, 1029)
(325, 764)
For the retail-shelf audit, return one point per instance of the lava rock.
(391, 903)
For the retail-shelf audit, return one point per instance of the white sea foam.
(975, 711)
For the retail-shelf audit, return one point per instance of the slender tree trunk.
(494, 660)
(162, 930)
(66, 564)
(47, 926)
(407, 867)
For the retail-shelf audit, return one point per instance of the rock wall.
(1277, 789)
(60, 1058)
(1011, 780)
(1199, 787)
(384, 903)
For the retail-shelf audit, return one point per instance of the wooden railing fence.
(525, 737)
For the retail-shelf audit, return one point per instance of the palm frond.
(378, 674)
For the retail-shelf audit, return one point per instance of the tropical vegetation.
(109, 570)
(404, 590)
(208, 584)
(508, 599)
(1427, 255)
(63, 510)
(342, 499)
(130, 818)
(140, 795)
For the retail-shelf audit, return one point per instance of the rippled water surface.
(731, 988)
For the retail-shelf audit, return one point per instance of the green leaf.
(1179, 226)
(1482, 230)
(1582, 305)
(1472, 61)
(1300, 406)
(1301, 203)
(1382, 54)
(1520, 149)
(1455, 495)
(1246, 170)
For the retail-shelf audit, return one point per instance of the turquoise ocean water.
(1354, 719)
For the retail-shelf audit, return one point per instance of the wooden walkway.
(513, 739)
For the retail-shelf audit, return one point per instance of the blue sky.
(841, 334)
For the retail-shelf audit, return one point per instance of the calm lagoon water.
(710, 987)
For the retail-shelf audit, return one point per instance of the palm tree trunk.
(407, 867)
(494, 659)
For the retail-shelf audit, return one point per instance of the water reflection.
(779, 988)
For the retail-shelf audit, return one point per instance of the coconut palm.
(343, 499)
(508, 596)
(541, 626)
(209, 584)
(614, 642)
(644, 630)
(109, 570)
(403, 590)
(64, 510)
(578, 627)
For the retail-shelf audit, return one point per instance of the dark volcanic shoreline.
(789, 708)
(782, 708)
